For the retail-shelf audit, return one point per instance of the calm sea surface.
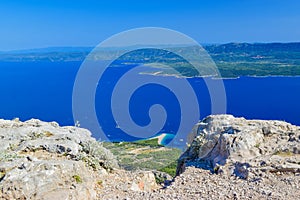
(44, 90)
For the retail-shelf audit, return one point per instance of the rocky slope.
(235, 158)
(40, 160)
(229, 158)
(240, 147)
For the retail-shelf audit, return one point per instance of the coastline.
(219, 78)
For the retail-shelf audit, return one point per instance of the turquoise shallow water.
(166, 139)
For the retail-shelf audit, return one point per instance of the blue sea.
(43, 90)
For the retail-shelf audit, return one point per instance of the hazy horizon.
(92, 47)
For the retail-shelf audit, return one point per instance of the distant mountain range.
(49, 50)
(232, 59)
(249, 48)
(253, 47)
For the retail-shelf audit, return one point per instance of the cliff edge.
(228, 158)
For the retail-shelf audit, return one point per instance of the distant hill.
(259, 59)
(232, 59)
(49, 50)
(253, 47)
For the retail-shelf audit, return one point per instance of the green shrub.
(77, 178)
(170, 169)
(97, 156)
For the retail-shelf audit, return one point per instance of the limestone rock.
(40, 160)
(144, 181)
(246, 159)
(230, 145)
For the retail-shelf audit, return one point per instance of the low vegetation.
(77, 178)
(146, 155)
(96, 156)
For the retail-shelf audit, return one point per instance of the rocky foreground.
(229, 158)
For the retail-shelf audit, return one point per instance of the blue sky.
(34, 23)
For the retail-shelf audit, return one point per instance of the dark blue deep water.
(43, 90)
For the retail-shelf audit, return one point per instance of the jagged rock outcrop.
(229, 145)
(229, 158)
(233, 158)
(40, 160)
